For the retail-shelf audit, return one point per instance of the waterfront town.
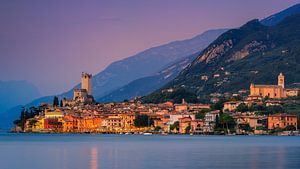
(257, 111)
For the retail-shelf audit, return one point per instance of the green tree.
(226, 122)
(55, 101)
(174, 126)
(290, 128)
(217, 106)
(157, 128)
(188, 129)
(143, 120)
(245, 127)
(61, 103)
(201, 114)
(242, 108)
(275, 109)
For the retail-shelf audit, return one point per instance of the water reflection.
(159, 152)
(254, 157)
(94, 158)
(281, 155)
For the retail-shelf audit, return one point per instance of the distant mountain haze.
(146, 85)
(144, 64)
(14, 93)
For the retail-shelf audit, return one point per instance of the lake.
(51, 151)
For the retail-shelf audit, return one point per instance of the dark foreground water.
(25, 151)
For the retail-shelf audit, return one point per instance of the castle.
(272, 91)
(84, 94)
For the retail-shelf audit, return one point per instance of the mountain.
(14, 93)
(251, 53)
(278, 17)
(148, 62)
(7, 117)
(144, 64)
(146, 85)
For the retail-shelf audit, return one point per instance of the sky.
(49, 43)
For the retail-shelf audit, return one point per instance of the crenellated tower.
(86, 82)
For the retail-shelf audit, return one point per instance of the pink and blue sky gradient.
(49, 43)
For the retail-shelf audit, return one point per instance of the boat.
(147, 134)
(164, 134)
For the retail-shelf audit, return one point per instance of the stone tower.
(281, 80)
(86, 82)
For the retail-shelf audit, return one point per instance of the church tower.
(281, 80)
(86, 82)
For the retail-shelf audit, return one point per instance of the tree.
(218, 106)
(201, 114)
(225, 121)
(245, 127)
(25, 114)
(55, 101)
(143, 120)
(157, 128)
(242, 108)
(174, 126)
(290, 128)
(188, 129)
(61, 103)
(257, 107)
(275, 109)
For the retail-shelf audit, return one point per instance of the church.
(258, 92)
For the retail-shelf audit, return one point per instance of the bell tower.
(86, 82)
(281, 80)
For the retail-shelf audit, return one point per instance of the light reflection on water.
(94, 157)
(159, 152)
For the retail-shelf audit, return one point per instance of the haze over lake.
(27, 151)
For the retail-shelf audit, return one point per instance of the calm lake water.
(27, 151)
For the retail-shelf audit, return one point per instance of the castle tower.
(252, 92)
(281, 80)
(86, 82)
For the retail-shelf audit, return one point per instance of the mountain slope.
(252, 53)
(148, 62)
(13, 93)
(143, 64)
(278, 17)
(146, 85)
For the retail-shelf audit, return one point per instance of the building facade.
(270, 91)
(282, 121)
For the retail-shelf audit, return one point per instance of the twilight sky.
(49, 43)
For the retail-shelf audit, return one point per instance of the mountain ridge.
(101, 79)
(240, 52)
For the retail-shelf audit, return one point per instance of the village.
(257, 113)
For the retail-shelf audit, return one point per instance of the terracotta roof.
(268, 86)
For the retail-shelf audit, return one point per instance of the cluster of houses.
(121, 117)
(81, 115)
